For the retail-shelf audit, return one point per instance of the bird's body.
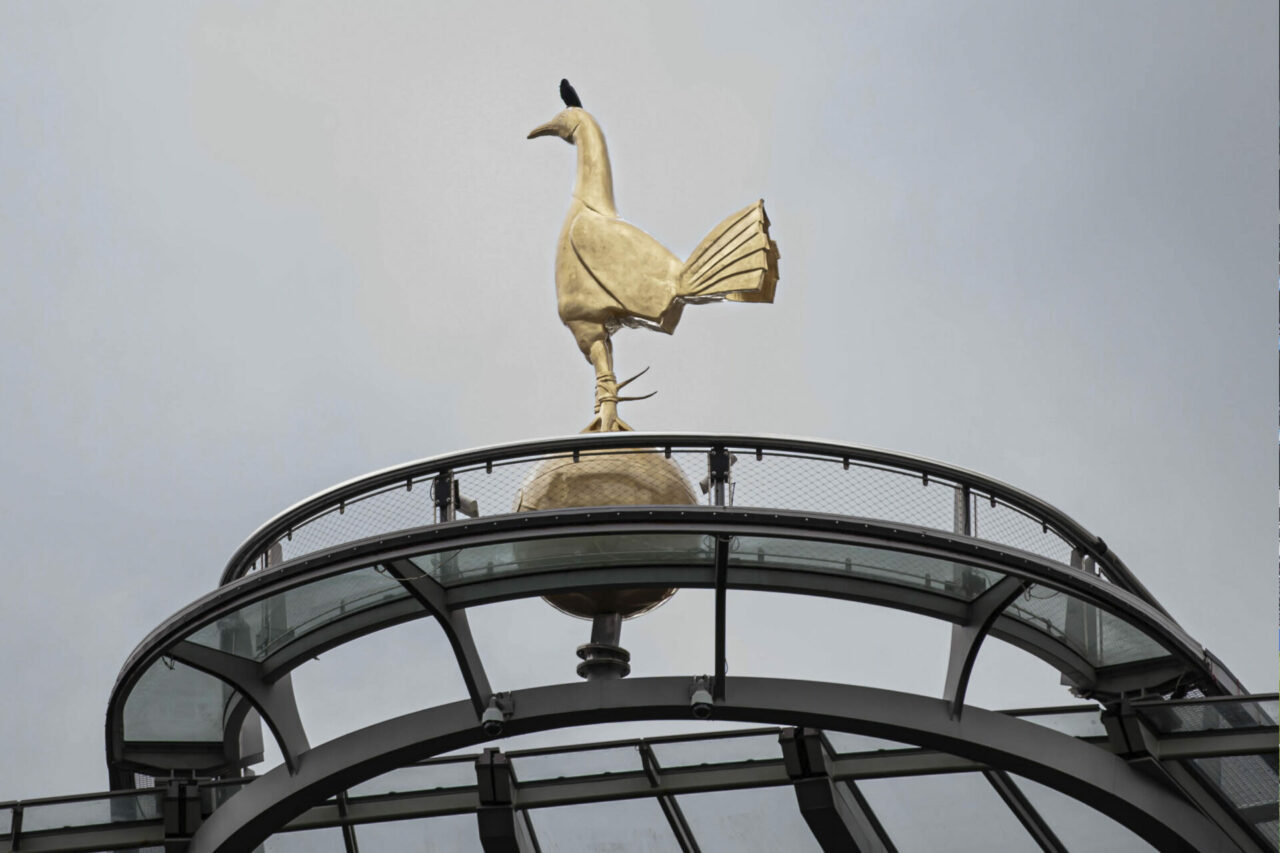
(611, 274)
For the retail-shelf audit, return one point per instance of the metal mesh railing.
(840, 481)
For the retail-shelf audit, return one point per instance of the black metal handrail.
(1087, 546)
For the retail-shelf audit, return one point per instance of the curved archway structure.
(783, 516)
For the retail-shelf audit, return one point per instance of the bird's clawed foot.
(607, 399)
(607, 420)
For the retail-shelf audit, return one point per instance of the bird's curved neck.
(595, 179)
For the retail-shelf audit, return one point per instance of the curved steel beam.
(1188, 654)
(274, 701)
(433, 598)
(1073, 767)
(967, 637)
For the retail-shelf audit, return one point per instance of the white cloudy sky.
(251, 250)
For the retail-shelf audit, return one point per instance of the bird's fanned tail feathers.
(737, 261)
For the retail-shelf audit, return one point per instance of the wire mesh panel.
(1249, 784)
(784, 481)
(997, 521)
(498, 483)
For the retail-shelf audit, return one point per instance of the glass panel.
(1270, 830)
(721, 750)
(1086, 722)
(1100, 637)
(216, 793)
(1245, 781)
(258, 629)
(464, 565)
(556, 765)
(419, 777)
(1077, 826)
(173, 702)
(1205, 716)
(629, 825)
(843, 743)
(6, 821)
(120, 809)
(931, 573)
(752, 819)
(327, 840)
(957, 812)
(456, 833)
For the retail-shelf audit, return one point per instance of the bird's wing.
(632, 266)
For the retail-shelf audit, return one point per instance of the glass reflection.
(174, 702)
(263, 627)
(1078, 826)
(879, 564)
(748, 820)
(632, 825)
(957, 812)
(1099, 637)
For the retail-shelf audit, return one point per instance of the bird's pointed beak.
(548, 129)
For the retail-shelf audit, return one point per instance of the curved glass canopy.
(807, 518)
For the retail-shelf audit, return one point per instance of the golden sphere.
(630, 477)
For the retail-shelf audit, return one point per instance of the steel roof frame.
(1189, 656)
(1079, 769)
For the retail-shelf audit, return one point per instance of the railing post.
(963, 523)
(181, 810)
(503, 829)
(719, 463)
(443, 489)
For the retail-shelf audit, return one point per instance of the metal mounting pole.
(602, 657)
(442, 494)
(722, 585)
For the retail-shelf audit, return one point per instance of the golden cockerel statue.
(611, 274)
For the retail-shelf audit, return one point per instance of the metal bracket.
(502, 828)
(182, 815)
(837, 815)
(443, 489)
(719, 479)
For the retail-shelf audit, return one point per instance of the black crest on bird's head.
(569, 96)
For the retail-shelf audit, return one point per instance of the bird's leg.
(600, 353)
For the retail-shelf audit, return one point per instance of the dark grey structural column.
(841, 821)
(503, 829)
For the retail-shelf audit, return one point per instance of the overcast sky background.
(250, 251)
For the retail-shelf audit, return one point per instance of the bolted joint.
(803, 753)
(444, 490)
(495, 780)
(719, 473)
(1128, 736)
(181, 811)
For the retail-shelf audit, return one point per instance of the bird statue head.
(567, 121)
(576, 126)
